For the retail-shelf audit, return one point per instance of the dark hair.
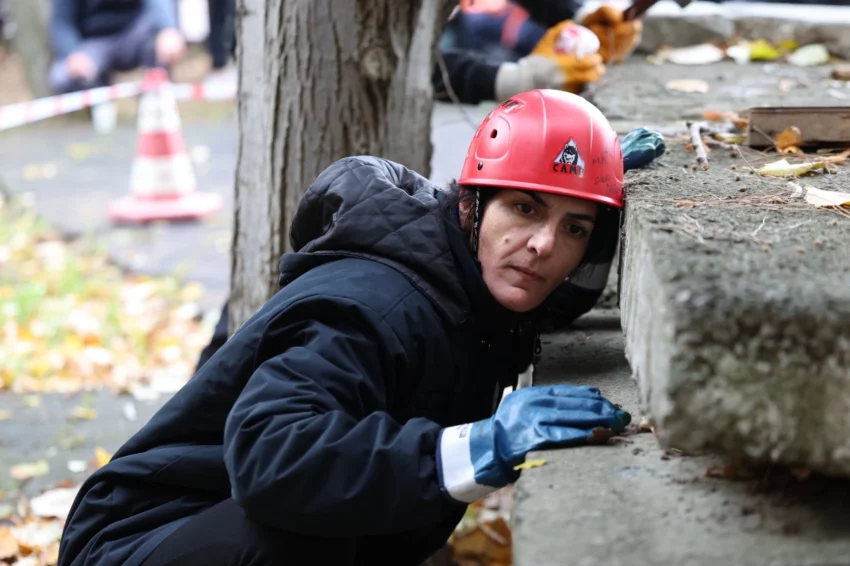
(457, 195)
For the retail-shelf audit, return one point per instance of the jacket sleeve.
(64, 36)
(551, 12)
(470, 77)
(308, 445)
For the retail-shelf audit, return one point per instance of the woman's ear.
(464, 208)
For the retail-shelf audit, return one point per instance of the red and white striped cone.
(162, 181)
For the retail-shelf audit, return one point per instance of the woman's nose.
(542, 241)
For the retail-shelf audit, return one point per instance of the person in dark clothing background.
(222, 38)
(493, 55)
(92, 38)
(355, 415)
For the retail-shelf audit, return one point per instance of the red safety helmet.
(549, 141)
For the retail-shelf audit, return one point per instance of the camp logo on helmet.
(569, 160)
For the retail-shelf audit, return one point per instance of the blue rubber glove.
(641, 147)
(478, 458)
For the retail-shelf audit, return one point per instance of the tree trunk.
(321, 80)
(32, 43)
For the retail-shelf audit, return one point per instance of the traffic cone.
(162, 180)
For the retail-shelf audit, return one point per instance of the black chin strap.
(476, 224)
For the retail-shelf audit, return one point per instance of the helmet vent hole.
(480, 166)
(494, 133)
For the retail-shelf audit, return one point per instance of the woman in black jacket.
(356, 414)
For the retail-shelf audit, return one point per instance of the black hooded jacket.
(321, 414)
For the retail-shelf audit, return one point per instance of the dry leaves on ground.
(70, 320)
(483, 537)
(31, 529)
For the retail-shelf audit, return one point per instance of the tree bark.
(32, 43)
(321, 80)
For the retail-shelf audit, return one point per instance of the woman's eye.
(525, 208)
(576, 230)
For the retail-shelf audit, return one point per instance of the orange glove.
(617, 38)
(578, 69)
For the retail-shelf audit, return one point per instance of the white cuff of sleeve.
(526, 378)
(529, 73)
(457, 474)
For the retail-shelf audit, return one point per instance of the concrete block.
(737, 316)
(632, 504)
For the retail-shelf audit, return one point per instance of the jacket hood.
(377, 209)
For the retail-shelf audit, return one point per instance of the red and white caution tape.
(14, 115)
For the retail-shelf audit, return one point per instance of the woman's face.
(529, 242)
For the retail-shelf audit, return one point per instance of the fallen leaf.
(762, 50)
(36, 535)
(687, 85)
(788, 45)
(8, 544)
(728, 137)
(530, 464)
(129, 410)
(840, 158)
(841, 73)
(702, 54)
(32, 401)
(809, 55)
(85, 413)
(55, 503)
(722, 116)
(26, 471)
(789, 140)
(646, 425)
(5, 415)
(77, 466)
(820, 197)
(6, 511)
(782, 168)
(714, 115)
(101, 457)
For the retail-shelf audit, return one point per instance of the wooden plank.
(819, 125)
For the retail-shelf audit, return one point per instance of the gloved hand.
(641, 147)
(562, 72)
(549, 67)
(617, 38)
(478, 458)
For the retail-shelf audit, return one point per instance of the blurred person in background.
(222, 38)
(494, 49)
(92, 38)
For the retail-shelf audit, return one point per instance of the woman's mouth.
(529, 274)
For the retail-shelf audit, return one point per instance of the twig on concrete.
(741, 153)
(756, 231)
(694, 128)
(444, 72)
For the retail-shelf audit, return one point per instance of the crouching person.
(355, 415)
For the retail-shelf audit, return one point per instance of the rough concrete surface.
(667, 23)
(632, 503)
(636, 95)
(737, 314)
